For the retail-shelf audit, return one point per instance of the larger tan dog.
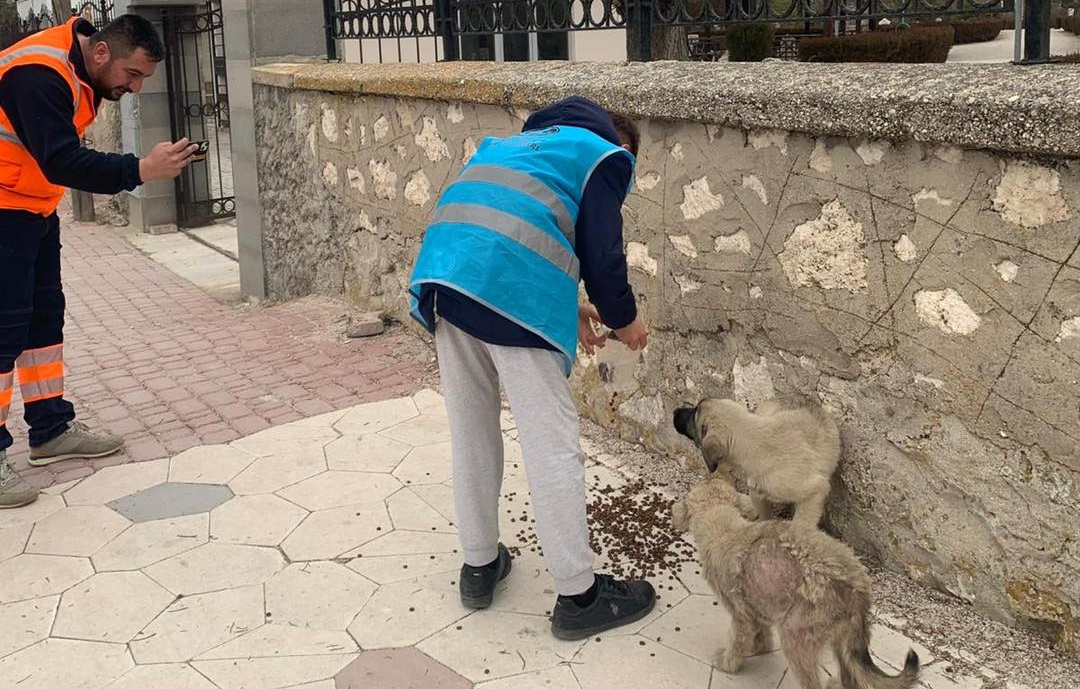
(789, 575)
(786, 452)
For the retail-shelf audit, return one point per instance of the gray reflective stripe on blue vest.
(519, 181)
(522, 232)
(58, 53)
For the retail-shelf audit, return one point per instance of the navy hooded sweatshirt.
(599, 242)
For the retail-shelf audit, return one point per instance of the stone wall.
(899, 243)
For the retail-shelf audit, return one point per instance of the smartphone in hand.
(201, 151)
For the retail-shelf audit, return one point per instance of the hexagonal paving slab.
(399, 668)
(217, 566)
(144, 544)
(324, 595)
(112, 606)
(78, 531)
(255, 520)
(169, 500)
(25, 623)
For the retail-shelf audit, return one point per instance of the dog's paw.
(680, 516)
(726, 661)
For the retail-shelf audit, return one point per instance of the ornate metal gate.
(199, 110)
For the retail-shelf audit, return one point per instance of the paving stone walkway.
(321, 554)
(155, 359)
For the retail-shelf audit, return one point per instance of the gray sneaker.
(14, 492)
(77, 442)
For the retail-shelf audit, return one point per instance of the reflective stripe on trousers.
(41, 373)
(6, 388)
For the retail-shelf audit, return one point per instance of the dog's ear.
(714, 444)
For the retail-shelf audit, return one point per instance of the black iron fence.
(465, 29)
(98, 12)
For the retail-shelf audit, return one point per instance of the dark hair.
(628, 131)
(128, 32)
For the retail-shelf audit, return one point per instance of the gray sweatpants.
(548, 430)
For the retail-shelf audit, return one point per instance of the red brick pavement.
(156, 360)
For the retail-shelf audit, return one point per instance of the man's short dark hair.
(128, 32)
(628, 131)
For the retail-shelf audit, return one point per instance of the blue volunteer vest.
(502, 233)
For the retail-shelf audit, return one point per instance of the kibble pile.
(630, 527)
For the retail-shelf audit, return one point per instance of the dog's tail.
(857, 667)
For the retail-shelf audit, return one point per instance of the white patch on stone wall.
(1070, 328)
(649, 180)
(363, 134)
(406, 114)
(947, 311)
(820, 160)
(737, 243)
(683, 244)
(905, 249)
(698, 199)
(754, 184)
(827, 251)
(356, 179)
(313, 141)
(383, 179)
(872, 152)
(648, 411)
(454, 113)
(418, 189)
(429, 141)
(329, 122)
(348, 129)
(381, 128)
(637, 258)
(365, 222)
(299, 115)
(468, 149)
(687, 284)
(755, 292)
(677, 152)
(712, 131)
(752, 383)
(402, 152)
(925, 194)
(950, 154)
(330, 175)
(926, 380)
(1029, 195)
(1007, 270)
(763, 138)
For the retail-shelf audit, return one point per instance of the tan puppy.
(785, 452)
(791, 576)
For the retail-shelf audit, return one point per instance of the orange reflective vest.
(23, 185)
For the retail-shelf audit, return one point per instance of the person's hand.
(635, 336)
(166, 160)
(586, 333)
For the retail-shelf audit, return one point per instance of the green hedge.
(917, 44)
(750, 42)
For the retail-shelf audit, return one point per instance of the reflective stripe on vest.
(498, 174)
(10, 137)
(515, 228)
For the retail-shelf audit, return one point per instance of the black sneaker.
(477, 584)
(617, 603)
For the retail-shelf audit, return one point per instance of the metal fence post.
(639, 21)
(1037, 30)
(444, 19)
(329, 20)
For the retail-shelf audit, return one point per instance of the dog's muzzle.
(684, 421)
